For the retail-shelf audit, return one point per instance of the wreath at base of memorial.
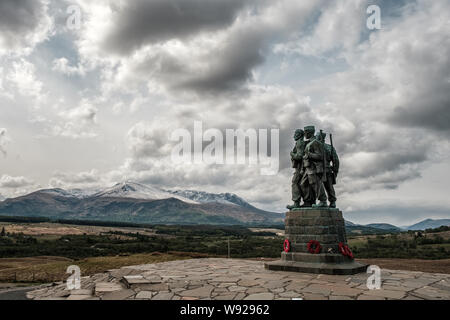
(314, 247)
(345, 250)
(286, 246)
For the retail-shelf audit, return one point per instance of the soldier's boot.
(333, 204)
(295, 205)
(306, 205)
(322, 204)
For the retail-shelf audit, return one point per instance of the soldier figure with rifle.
(297, 163)
(331, 171)
(313, 167)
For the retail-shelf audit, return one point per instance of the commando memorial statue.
(297, 163)
(316, 241)
(331, 171)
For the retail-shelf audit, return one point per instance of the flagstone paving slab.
(341, 298)
(225, 297)
(345, 291)
(199, 292)
(76, 297)
(312, 296)
(256, 290)
(144, 295)
(163, 296)
(260, 296)
(367, 297)
(119, 295)
(102, 287)
(238, 279)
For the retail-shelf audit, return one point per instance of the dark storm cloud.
(427, 100)
(390, 162)
(225, 66)
(234, 64)
(225, 69)
(19, 15)
(431, 112)
(143, 21)
(23, 24)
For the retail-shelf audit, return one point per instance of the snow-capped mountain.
(71, 193)
(139, 191)
(205, 197)
(120, 190)
(136, 202)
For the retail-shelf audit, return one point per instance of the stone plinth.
(325, 225)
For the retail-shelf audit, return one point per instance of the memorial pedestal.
(325, 225)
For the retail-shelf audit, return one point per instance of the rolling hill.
(383, 226)
(429, 224)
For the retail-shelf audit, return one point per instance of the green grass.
(401, 246)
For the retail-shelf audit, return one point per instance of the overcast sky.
(93, 106)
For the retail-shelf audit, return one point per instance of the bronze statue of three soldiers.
(316, 168)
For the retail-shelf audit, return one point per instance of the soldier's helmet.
(310, 129)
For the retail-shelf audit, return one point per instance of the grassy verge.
(432, 266)
(52, 269)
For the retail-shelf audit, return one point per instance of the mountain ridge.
(429, 224)
(422, 225)
(136, 202)
(383, 226)
(133, 202)
(206, 197)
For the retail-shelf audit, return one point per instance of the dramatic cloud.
(15, 186)
(149, 140)
(422, 69)
(23, 24)
(77, 122)
(99, 104)
(23, 77)
(208, 46)
(339, 26)
(395, 88)
(141, 22)
(75, 180)
(7, 181)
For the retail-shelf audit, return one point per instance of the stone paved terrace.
(235, 279)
